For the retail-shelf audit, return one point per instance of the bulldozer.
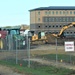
(38, 38)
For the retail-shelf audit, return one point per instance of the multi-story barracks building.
(52, 19)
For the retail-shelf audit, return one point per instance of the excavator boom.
(63, 29)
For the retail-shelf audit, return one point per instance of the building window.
(64, 19)
(67, 32)
(57, 20)
(38, 19)
(53, 26)
(46, 19)
(49, 12)
(49, 19)
(66, 12)
(70, 12)
(43, 19)
(56, 26)
(60, 25)
(70, 19)
(60, 19)
(67, 19)
(39, 26)
(53, 12)
(71, 32)
(46, 13)
(74, 19)
(49, 32)
(49, 26)
(74, 12)
(46, 26)
(53, 19)
(38, 12)
(56, 12)
(60, 12)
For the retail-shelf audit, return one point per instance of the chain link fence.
(16, 49)
(13, 48)
(54, 52)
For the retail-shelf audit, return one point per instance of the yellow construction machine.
(49, 37)
(37, 38)
(63, 29)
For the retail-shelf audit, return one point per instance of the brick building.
(52, 19)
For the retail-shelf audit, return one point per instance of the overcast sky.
(16, 12)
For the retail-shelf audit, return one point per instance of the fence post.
(16, 52)
(28, 50)
(56, 52)
(29, 53)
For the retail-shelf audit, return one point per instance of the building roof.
(55, 8)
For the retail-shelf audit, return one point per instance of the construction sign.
(69, 46)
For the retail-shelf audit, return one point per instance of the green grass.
(37, 68)
(64, 57)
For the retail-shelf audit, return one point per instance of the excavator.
(63, 29)
(49, 37)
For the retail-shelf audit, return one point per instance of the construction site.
(49, 41)
(19, 47)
